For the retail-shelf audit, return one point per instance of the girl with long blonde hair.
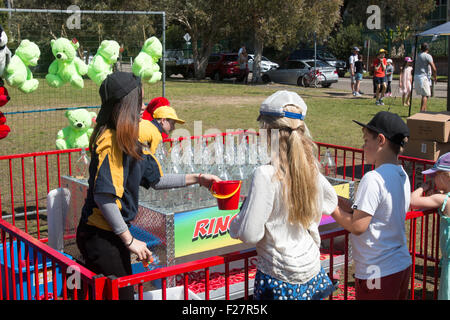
(283, 209)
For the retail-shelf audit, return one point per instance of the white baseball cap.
(275, 103)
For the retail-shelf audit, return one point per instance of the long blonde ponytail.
(296, 167)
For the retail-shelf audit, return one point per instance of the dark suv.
(307, 54)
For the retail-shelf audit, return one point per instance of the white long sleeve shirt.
(286, 251)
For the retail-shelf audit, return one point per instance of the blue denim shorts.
(358, 76)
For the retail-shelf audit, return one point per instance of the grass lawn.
(221, 105)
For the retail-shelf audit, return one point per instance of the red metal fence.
(31, 270)
(29, 177)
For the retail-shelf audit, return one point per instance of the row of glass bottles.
(234, 162)
(228, 161)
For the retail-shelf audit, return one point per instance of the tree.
(280, 24)
(344, 39)
(204, 20)
(401, 13)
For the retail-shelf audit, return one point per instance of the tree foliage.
(398, 13)
(283, 24)
(204, 20)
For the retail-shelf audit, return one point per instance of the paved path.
(366, 86)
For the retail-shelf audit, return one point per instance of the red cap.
(154, 104)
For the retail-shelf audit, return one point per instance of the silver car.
(293, 71)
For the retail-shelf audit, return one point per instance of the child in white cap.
(440, 175)
(389, 76)
(283, 209)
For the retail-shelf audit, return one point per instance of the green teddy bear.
(18, 73)
(101, 65)
(146, 63)
(79, 131)
(67, 67)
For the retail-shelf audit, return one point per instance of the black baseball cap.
(115, 86)
(390, 125)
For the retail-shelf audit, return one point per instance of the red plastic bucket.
(227, 194)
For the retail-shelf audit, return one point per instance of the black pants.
(104, 253)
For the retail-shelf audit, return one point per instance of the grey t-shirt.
(422, 62)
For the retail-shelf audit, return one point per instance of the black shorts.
(379, 80)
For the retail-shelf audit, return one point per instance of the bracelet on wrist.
(128, 245)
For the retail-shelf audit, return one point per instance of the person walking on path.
(351, 62)
(379, 73)
(359, 70)
(423, 62)
(405, 81)
(389, 77)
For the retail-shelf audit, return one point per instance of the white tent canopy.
(441, 30)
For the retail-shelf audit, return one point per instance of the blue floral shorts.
(269, 288)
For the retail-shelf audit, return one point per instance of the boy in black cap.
(376, 219)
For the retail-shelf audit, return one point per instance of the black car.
(307, 54)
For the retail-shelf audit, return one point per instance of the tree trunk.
(258, 45)
(201, 56)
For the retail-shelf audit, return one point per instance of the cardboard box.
(428, 150)
(429, 126)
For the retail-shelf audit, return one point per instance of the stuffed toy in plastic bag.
(104, 59)
(146, 63)
(4, 95)
(4, 129)
(5, 53)
(18, 73)
(67, 67)
(79, 130)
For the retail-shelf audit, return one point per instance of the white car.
(266, 64)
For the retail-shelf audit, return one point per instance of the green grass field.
(223, 106)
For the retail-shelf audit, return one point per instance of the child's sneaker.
(381, 102)
(377, 102)
(354, 93)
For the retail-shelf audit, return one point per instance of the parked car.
(321, 54)
(223, 65)
(220, 66)
(293, 71)
(266, 64)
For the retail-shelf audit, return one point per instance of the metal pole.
(414, 68)
(448, 73)
(315, 53)
(164, 55)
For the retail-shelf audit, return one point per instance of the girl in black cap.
(119, 165)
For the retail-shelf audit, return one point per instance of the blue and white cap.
(274, 105)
